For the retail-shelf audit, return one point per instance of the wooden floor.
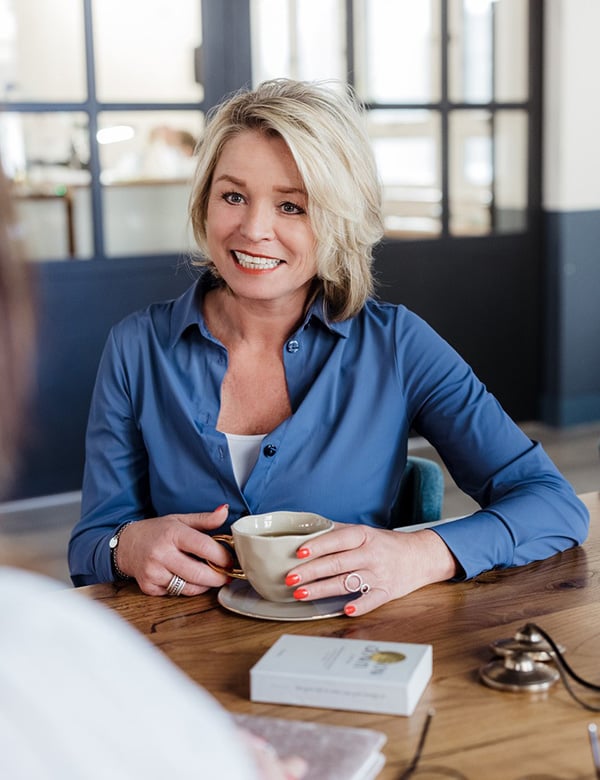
(34, 533)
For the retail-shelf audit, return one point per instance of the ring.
(360, 584)
(176, 585)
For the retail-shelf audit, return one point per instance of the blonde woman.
(279, 382)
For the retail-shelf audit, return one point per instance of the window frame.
(225, 64)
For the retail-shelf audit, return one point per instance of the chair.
(421, 493)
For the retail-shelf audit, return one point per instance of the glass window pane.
(470, 50)
(397, 50)
(145, 50)
(487, 52)
(47, 157)
(470, 172)
(298, 39)
(42, 55)
(511, 164)
(511, 46)
(406, 146)
(147, 162)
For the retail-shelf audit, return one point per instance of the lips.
(254, 263)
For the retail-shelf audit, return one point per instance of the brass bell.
(526, 640)
(518, 671)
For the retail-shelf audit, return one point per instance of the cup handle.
(236, 572)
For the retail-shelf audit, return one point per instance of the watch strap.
(114, 544)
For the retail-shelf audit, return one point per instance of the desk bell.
(521, 663)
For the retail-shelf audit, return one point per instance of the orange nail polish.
(303, 552)
(349, 609)
(301, 593)
(292, 579)
(222, 506)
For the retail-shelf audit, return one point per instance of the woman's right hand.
(269, 765)
(153, 550)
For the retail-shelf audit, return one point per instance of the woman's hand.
(268, 763)
(390, 563)
(154, 550)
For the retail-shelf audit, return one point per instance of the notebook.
(331, 752)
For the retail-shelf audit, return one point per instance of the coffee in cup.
(265, 546)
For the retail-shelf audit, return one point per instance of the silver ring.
(176, 585)
(359, 585)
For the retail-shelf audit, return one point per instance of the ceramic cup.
(265, 546)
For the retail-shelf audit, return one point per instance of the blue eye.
(233, 197)
(291, 208)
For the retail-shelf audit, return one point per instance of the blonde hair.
(325, 132)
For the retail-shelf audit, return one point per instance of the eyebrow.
(241, 183)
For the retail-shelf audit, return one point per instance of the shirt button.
(293, 346)
(270, 450)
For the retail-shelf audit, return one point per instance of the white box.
(342, 674)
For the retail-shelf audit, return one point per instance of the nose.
(257, 223)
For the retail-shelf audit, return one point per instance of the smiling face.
(258, 232)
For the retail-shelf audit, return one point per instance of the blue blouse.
(356, 388)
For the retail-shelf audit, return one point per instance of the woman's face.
(258, 232)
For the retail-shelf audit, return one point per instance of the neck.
(234, 320)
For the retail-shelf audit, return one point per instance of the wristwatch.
(113, 544)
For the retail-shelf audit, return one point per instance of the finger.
(202, 546)
(194, 572)
(328, 571)
(342, 537)
(352, 582)
(376, 597)
(206, 521)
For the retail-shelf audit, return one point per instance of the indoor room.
(483, 128)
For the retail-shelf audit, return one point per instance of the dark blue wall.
(571, 391)
(78, 303)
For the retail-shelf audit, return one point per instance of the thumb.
(206, 521)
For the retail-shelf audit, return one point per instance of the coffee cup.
(265, 547)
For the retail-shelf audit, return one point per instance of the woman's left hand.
(390, 563)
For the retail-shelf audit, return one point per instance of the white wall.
(571, 154)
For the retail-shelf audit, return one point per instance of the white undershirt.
(243, 451)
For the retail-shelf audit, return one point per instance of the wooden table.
(477, 732)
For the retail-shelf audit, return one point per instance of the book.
(331, 752)
(344, 674)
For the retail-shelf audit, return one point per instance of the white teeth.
(249, 261)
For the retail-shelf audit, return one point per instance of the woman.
(278, 382)
(61, 692)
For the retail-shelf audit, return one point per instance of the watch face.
(113, 542)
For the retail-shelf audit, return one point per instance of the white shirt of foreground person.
(83, 695)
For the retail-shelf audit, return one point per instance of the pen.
(415, 759)
(593, 735)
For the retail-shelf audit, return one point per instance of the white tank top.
(243, 451)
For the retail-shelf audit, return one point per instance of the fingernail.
(349, 609)
(223, 506)
(292, 579)
(303, 552)
(301, 593)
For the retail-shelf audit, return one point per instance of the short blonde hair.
(325, 132)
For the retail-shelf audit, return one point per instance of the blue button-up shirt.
(356, 388)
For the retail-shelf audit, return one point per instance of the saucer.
(240, 597)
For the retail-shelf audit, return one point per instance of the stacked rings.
(176, 585)
(354, 583)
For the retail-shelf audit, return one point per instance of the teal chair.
(421, 494)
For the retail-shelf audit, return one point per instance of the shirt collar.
(318, 311)
(187, 309)
(187, 312)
